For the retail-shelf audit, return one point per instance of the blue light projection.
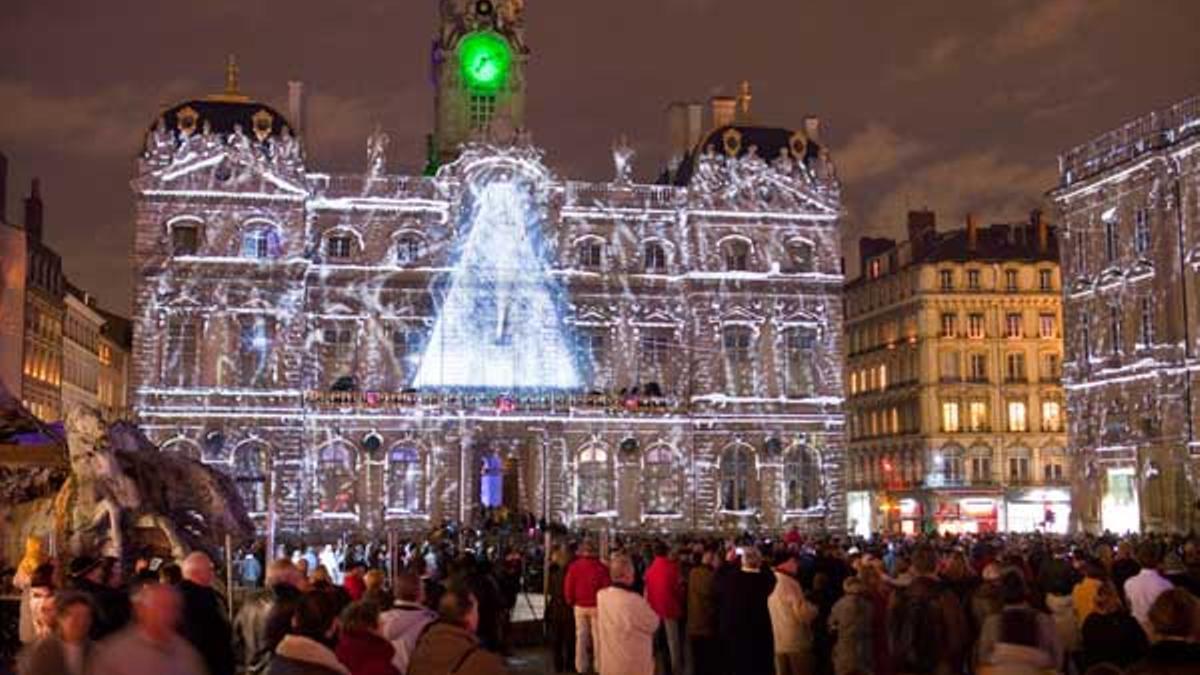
(501, 325)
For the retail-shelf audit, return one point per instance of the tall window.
(975, 326)
(591, 254)
(1012, 325)
(260, 243)
(798, 350)
(250, 476)
(951, 469)
(594, 345)
(408, 250)
(977, 416)
(801, 479)
(736, 469)
(1051, 416)
(981, 469)
(1017, 420)
(978, 371)
(406, 348)
(254, 351)
(973, 280)
(338, 247)
(339, 347)
(950, 417)
(1141, 233)
(1015, 367)
(656, 345)
(1010, 280)
(655, 257)
(1052, 469)
(1110, 239)
(404, 480)
(181, 357)
(185, 239)
(1085, 342)
(1147, 332)
(595, 485)
(1051, 367)
(1114, 328)
(946, 280)
(1045, 280)
(1018, 469)
(949, 325)
(950, 366)
(662, 490)
(736, 343)
(1046, 325)
(337, 473)
(481, 107)
(737, 255)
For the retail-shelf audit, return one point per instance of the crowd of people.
(990, 604)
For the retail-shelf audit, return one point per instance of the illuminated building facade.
(955, 408)
(81, 350)
(377, 351)
(45, 313)
(1128, 204)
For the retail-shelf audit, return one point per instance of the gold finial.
(231, 76)
(744, 98)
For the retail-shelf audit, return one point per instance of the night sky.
(953, 105)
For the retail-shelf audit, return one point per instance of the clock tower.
(479, 61)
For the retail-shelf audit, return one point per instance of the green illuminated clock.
(485, 59)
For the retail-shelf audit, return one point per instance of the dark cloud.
(957, 106)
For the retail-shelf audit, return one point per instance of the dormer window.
(591, 254)
(263, 243)
(737, 255)
(655, 257)
(337, 247)
(185, 239)
(408, 250)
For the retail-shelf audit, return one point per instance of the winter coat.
(298, 655)
(366, 653)
(744, 620)
(1045, 631)
(791, 616)
(701, 602)
(928, 628)
(626, 631)
(664, 588)
(260, 625)
(558, 611)
(129, 652)
(206, 627)
(1011, 659)
(851, 621)
(451, 649)
(585, 577)
(1083, 598)
(1115, 638)
(110, 607)
(1062, 610)
(401, 626)
(48, 656)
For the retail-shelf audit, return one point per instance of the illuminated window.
(254, 350)
(1141, 234)
(736, 468)
(250, 476)
(481, 107)
(1046, 326)
(1010, 280)
(185, 239)
(662, 488)
(975, 328)
(737, 255)
(338, 247)
(949, 325)
(950, 417)
(977, 416)
(1051, 416)
(591, 254)
(595, 485)
(261, 243)
(853, 382)
(654, 257)
(1014, 367)
(181, 362)
(874, 268)
(801, 479)
(1016, 416)
(946, 280)
(1013, 325)
(973, 280)
(408, 250)
(404, 480)
(337, 479)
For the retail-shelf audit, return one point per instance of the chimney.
(3, 188)
(296, 106)
(972, 233)
(724, 111)
(812, 128)
(743, 103)
(922, 225)
(695, 124)
(1042, 228)
(677, 134)
(33, 211)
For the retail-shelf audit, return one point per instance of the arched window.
(655, 257)
(595, 486)
(183, 448)
(339, 245)
(260, 242)
(737, 467)
(801, 479)
(800, 256)
(337, 479)
(799, 367)
(250, 475)
(662, 490)
(185, 237)
(256, 335)
(736, 253)
(948, 465)
(409, 250)
(405, 480)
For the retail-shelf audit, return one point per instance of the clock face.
(485, 60)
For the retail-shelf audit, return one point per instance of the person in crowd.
(743, 615)
(1123, 567)
(34, 558)
(375, 592)
(1083, 596)
(702, 616)
(664, 592)
(449, 645)
(266, 617)
(111, 606)
(303, 567)
(791, 616)
(1057, 581)
(851, 622)
(307, 648)
(585, 577)
(878, 593)
(170, 574)
(626, 623)
(560, 621)
(37, 604)
(251, 571)
(150, 645)
(407, 618)
(207, 625)
(1142, 589)
(1109, 634)
(360, 647)
(68, 650)
(985, 600)
(1019, 636)
(927, 623)
(354, 582)
(1175, 627)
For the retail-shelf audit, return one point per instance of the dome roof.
(735, 140)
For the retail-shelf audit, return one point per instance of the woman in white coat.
(627, 624)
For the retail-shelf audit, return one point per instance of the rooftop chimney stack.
(724, 111)
(33, 211)
(296, 106)
(922, 226)
(695, 124)
(1042, 228)
(677, 134)
(3, 188)
(743, 103)
(972, 233)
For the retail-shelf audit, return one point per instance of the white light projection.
(501, 325)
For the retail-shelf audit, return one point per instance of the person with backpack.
(1019, 636)
(927, 625)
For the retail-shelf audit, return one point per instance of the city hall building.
(376, 351)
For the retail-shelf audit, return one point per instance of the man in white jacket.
(791, 617)
(626, 622)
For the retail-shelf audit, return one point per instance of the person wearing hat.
(791, 617)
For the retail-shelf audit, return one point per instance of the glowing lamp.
(485, 59)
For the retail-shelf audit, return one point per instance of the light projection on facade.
(500, 326)
(485, 61)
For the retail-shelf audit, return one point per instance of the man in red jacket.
(585, 577)
(664, 592)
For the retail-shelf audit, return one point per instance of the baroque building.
(374, 350)
(1128, 202)
(45, 315)
(955, 411)
(81, 350)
